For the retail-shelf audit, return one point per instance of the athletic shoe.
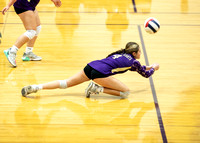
(11, 56)
(31, 57)
(92, 88)
(29, 89)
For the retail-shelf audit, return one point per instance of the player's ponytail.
(117, 52)
(129, 49)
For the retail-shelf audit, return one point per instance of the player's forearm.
(149, 72)
(148, 67)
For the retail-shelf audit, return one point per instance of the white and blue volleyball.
(151, 25)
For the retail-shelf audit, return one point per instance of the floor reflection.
(111, 114)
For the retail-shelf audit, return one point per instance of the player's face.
(137, 55)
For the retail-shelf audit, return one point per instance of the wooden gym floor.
(164, 108)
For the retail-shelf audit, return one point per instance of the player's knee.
(124, 94)
(63, 84)
(38, 29)
(30, 34)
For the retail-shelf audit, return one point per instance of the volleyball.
(151, 25)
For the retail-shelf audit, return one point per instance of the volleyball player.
(101, 71)
(26, 10)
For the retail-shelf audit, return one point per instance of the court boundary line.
(134, 6)
(160, 121)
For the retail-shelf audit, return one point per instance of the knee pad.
(38, 29)
(63, 84)
(30, 34)
(124, 94)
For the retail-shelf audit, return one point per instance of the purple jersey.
(120, 63)
(26, 4)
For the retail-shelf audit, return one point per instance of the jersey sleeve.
(141, 69)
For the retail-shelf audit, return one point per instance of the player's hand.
(155, 66)
(5, 9)
(57, 3)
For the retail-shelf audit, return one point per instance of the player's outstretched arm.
(142, 70)
(155, 66)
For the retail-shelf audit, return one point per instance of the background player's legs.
(29, 55)
(31, 42)
(29, 20)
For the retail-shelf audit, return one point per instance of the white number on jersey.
(116, 56)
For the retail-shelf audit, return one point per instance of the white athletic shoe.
(31, 57)
(91, 89)
(11, 56)
(29, 89)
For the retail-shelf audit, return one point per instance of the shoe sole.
(28, 59)
(23, 91)
(87, 90)
(5, 53)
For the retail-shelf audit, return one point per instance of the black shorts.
(92, 73)
(19, 10)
